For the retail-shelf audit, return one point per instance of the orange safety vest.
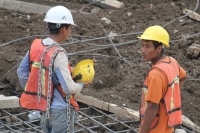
(172, 97)
(29, 98)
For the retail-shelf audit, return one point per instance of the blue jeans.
(57, 122)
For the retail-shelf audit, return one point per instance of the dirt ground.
(115, 81)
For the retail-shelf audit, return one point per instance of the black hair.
(156, 44)
(55, 28)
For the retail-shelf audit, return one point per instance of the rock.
(175, 31)
(129, 14)
(192, 14)
(112, 34)
(28, 17)
(105, 20)
(34, 115)
(193, 51)
(95, 10)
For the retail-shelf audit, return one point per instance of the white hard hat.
(59, 15)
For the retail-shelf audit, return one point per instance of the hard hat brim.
(150, 39)
(144, 37)
(56, 22)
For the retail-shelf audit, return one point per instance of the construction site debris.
(25, 7)
(188, 123)
(180, 131)
(89, 119)
(3, 86)
(110, 107)
(34, 115)
(9, 102)
(192, 15)
(105, 20)
(109, 4)
(111, 35)
(122, 111)
(129, 14)
(95, 10)
(193, 51)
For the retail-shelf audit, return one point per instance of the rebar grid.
(89, 120)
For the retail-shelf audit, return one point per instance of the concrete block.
(180, 131)
(8, 102)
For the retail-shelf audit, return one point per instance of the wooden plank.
(25, 6)
(2, 96)
(3, 86)
(192, 15)
(108, 4)
(188, 123)
(113, 108)
(9, 102)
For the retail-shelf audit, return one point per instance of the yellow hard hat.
(84, 71)
(156, 33)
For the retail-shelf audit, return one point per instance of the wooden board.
(188, 123)
(109, 4)
(25, 6)
(113, 108)
(121, 111)
(3, 86)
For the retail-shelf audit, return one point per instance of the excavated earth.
(116, 80)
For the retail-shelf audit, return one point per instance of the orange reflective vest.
(172, 97)
(29, 98)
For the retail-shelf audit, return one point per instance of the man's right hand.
(86, 85)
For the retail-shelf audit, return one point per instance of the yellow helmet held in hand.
(84, 71)
(156, 33)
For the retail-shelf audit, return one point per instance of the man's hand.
(86, 85)
(150, 114)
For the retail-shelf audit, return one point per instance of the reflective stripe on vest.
(172, 98)
(29, 98)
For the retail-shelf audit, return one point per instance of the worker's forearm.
(181, 82)
(150, 115)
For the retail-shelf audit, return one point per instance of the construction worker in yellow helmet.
(45, 76)
(160, 108)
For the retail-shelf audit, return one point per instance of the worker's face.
(149, 53)
(67, 32)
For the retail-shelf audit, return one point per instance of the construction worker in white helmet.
(46, 78)
(160, 108)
